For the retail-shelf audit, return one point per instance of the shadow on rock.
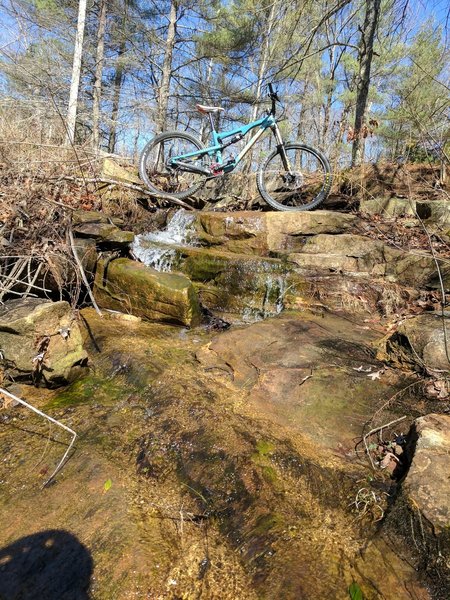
(50, 565)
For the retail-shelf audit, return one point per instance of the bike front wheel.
(160, 176)
(297, 180)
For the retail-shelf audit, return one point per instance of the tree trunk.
(76, 72)
(98, 75)
(262, 67)
(164, 88)
(363, 81)
(119, 76)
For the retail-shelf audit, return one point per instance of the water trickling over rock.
(156, 249)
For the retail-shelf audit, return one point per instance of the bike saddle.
(208, 109)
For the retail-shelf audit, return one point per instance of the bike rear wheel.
(157, 173)
(302, 188)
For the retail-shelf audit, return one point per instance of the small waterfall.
(272, 302)
(154, 249)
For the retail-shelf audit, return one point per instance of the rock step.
(131, 287)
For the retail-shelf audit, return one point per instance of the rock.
(87, 253)
(113, 170)
(104, 233)
(356, 254)
(389, 207)
(285, 230)
(129, 286)
(287, 365)
(33, 345)
(237, 283)
(427, 484)
(435, 212)
(80, 217)
(266, 233)
(418, 343)
(421, 513)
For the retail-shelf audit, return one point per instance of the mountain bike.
(293, 177)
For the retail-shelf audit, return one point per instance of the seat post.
(211, 121)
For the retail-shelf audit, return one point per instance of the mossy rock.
(131, 287)
(40, 341)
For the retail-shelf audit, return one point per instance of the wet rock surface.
(40, 341)
(189, 481)
(317, 374)
(320, 258)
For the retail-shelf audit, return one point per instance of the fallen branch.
(129, 186)
(52, 420)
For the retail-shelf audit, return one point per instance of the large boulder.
(131, 287)
(40, 341)
(421, 513)
(419, 342)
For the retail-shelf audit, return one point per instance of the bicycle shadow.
(49, 565)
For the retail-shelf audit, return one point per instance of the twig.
(83, 274)
(375, 430)
(52, 420)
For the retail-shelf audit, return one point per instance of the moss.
(268, 522)
(264, 447)
(91, 388)
(270, 475)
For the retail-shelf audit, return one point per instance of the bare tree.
(164, 88)
(76, 71)
(98, 74)
(365, 55)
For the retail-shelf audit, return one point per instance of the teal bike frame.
(219, 143)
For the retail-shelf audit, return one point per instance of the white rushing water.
(156, 249)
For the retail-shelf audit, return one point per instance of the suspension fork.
(280, 147)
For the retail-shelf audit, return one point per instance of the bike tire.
(306, 201)
(149, 177)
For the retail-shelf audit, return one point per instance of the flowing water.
(260, 284)
(157, 249)
(208, 466)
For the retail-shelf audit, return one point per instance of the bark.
(262, 68)
(166, 75)
(119, 76)
(76, 72)
(203, 135)
(265, 46)
(98, 75)
(363, 81)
